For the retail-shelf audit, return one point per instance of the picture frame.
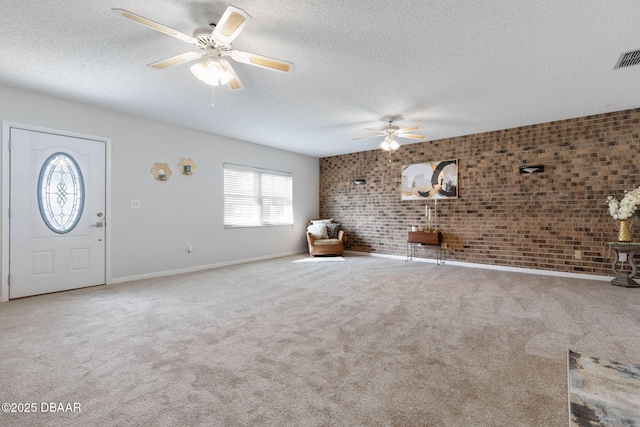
(431, 180)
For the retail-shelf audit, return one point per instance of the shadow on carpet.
(602, 392)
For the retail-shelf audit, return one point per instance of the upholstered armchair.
(325, 237)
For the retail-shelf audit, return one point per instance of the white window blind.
(256, 197)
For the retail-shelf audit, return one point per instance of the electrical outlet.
(135, 204)
(444, 245)
(578, 255)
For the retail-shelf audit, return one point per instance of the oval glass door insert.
(61, 193)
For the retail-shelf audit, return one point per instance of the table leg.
(621, 279)
(634, 270)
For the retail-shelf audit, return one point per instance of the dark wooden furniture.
(624, 252)
(432, 238)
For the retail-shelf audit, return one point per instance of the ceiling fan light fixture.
(388, 143)
(212, 72)
(394, 144)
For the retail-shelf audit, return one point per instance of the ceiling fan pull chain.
(212, 97)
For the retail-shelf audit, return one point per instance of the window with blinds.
(256, 197)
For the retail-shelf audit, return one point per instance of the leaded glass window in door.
(61, 193)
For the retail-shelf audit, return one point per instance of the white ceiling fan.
(213, 43)
(390, 131)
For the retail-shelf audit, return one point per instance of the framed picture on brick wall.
(432, 180)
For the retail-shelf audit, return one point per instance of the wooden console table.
(621, 278)
(433, 238)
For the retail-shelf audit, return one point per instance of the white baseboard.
(492, 267)
(199, 268)
(398, 257)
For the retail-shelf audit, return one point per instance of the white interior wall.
(185, 210)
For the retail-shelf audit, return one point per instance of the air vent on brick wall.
(628, 59)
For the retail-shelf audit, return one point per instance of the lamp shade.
(389, 143)
(212, 72)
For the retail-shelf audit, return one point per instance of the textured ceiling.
(453, 67)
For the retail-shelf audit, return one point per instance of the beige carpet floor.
(365, 342)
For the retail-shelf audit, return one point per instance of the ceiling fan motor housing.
(206, 40)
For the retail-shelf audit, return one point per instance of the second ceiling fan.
(390, 131)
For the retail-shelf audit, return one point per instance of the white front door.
(57, 213)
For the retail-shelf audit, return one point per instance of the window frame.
(261, 201)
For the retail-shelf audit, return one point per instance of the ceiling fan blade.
(175, 60)
(155, 25)
(262, 61)
(409, 129)
(412, 136)
(234, 84)
(231, 24)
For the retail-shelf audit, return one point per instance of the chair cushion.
(323, 242)
(318, 231)
(332, 230)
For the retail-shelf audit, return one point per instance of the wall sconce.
(359, 181)
(161, 171)
(186, 166)
(527, 169)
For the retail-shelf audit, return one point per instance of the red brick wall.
(501, 217)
